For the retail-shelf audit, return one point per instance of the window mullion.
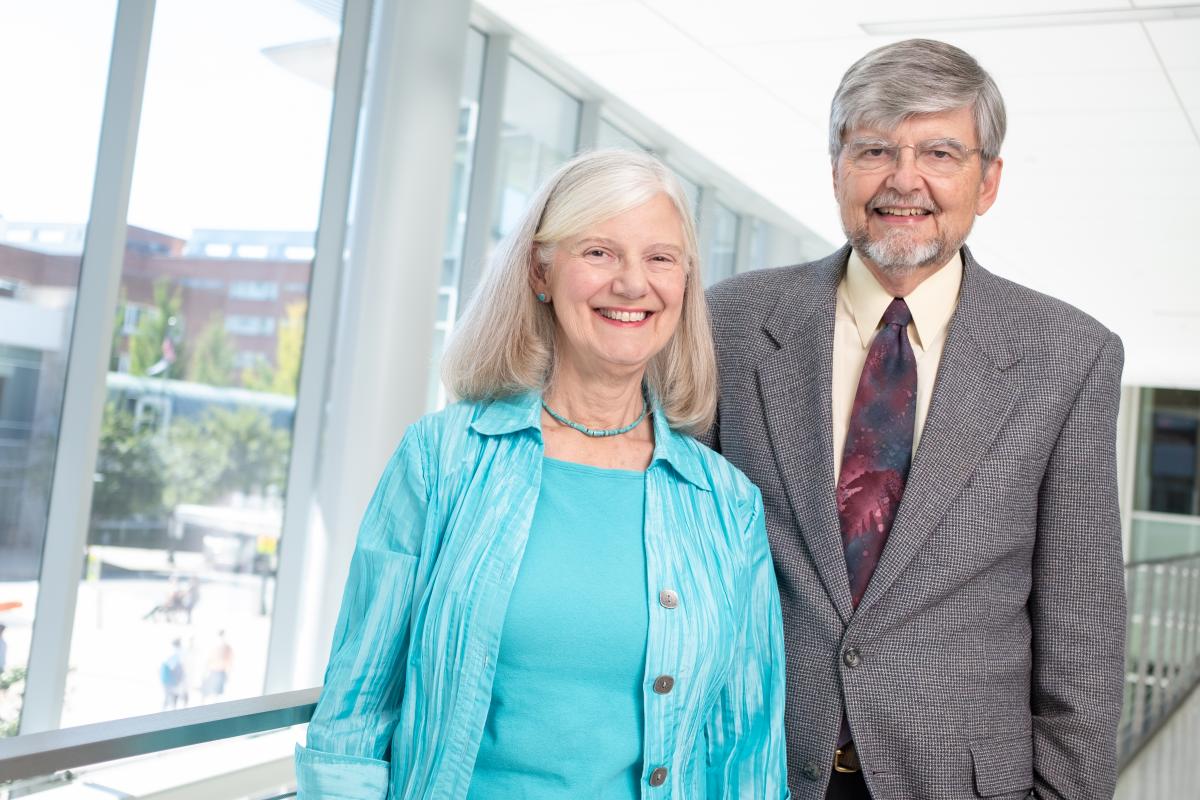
(83, 399)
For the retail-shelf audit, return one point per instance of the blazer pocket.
(1003, 765)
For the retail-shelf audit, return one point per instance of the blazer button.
(668, 598)
(663, 684)
(659, 776)
(852, 657)
(810, 771)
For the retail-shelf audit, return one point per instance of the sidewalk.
(1168, 766)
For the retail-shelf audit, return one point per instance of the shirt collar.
(510, 414)
(932, 303)
(524, 412)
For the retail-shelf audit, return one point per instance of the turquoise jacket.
(408, 685)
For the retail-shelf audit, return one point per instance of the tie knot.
(897, 313)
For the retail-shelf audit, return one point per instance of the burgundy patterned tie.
(878, 447)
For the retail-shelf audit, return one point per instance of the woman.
(556, 593)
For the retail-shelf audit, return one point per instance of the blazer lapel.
(972, 398)
(795, 386)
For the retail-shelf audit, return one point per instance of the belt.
(845, 759)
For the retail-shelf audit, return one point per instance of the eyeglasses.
(937, 157)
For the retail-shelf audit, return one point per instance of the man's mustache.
(890, 198)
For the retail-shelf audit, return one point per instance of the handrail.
(1163, 667)
(1151, 562)
(1162, 646)
(37, 754)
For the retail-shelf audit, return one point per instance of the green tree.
(257, 451)
(129, 468)
(211, 358)
(284, 376)
(194, 464)
(225, 451)
(164, 322)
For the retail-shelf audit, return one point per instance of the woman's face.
(617, 290)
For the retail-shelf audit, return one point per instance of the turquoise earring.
(541, 297)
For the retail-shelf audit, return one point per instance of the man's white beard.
(897, 254)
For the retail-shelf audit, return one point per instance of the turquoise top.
(566, 715)
(409, 682)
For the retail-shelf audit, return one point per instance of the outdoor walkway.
(1169, 766)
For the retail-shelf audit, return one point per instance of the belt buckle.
(845, 760)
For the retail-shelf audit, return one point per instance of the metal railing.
(1162, 669)
(39, 754)
(1163, 646)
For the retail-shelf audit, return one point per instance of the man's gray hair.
(917, 76)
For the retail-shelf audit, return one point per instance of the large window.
(175, 605)
(722, 254)
(456, 219)
(1166, 505)
(540, 130)
(609, 135)
(1169, 466)
(177, 556)
(692, 190)
(55, 56)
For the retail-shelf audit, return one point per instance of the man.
(936, 450)
(220, 662)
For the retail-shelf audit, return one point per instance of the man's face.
(905, 215)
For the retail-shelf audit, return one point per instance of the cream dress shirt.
(861, 302)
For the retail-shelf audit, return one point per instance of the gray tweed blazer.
(987, 656)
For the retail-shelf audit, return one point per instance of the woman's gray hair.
(504, 343)
(917, 76)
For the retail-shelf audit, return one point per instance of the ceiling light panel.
(1059, 93)
(655, 70)
(1178, 42)
(756, 21)
(607, 27)
(1187, 83)
(881, 10)
(927, 25)
(1087, 53)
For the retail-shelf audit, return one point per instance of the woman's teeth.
(623, 316)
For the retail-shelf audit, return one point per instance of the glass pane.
(456, 219)
(175, 605)
(60, 51)
(759, 240)
(722, 256)
(539, 132)
(692, 189)
(609, 135)
(1168, 475)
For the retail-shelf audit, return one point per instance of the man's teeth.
(623, 316)
(903, 212)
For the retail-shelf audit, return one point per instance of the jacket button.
(663, 684)
(852, 657)
(809, 771)
(658, 777)
(668, 598)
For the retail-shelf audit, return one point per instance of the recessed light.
(1097, 17)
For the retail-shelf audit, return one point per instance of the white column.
(83, 398)
(706, 230)
(1128, 418)
(390, 284)
(319, 353)
(745, 238)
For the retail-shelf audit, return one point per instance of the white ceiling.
(1100, 198)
